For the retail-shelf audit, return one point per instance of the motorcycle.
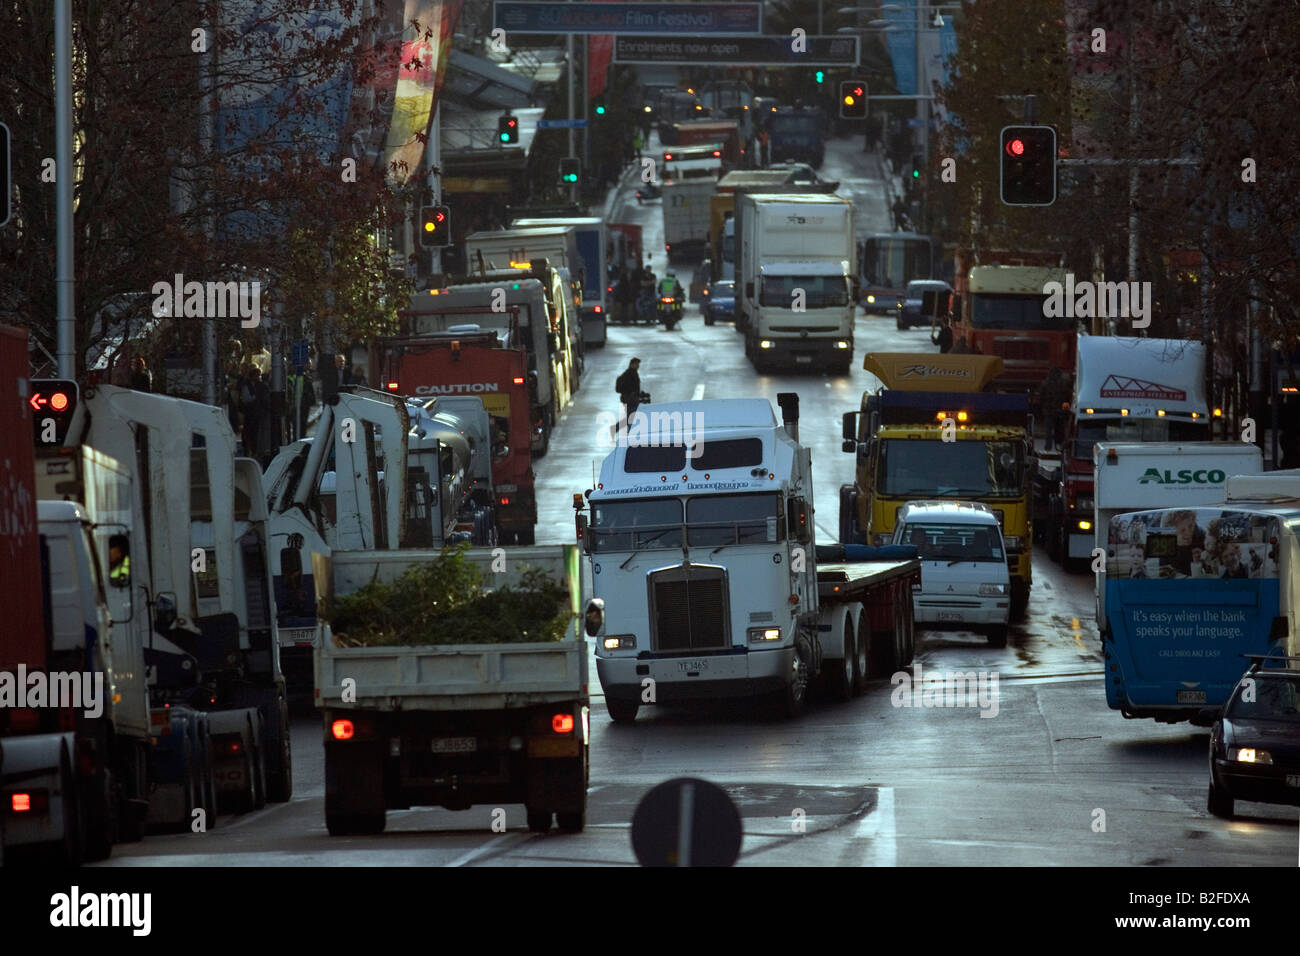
(670, 310)
(648, 191)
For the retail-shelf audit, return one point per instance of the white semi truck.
(705, 577)
(796, 278)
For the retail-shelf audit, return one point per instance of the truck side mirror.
(164, 612)
(593, 619)
(849, 429)
(580, 522)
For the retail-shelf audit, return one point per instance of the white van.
(964, 576)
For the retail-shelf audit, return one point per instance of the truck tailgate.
(451, 677)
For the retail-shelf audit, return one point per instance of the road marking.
(473, 855)
(698, 393)
(878, 827)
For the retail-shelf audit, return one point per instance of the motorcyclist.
(669, 286)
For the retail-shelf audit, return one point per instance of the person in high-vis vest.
(119, 562)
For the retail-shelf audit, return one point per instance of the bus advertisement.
(1188, 592)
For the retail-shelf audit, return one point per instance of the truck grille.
(810, 329)
(1022, 350)
(689, 609)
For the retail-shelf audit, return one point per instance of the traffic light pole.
(64, 245)
(573, 80)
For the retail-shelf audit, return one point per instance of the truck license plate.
(1293, 780)
(949, 616)
(454, 745)
(803, 359)
(1191, 696)
(686, 667)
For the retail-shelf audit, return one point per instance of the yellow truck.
(933, 432)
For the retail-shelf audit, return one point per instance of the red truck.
(726, 132)
(472, 361)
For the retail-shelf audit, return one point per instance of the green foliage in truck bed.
(444, 602)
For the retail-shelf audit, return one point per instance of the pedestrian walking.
(253, 397)
(942, 336)
(628, 386)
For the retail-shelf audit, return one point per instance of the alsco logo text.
(1184, 477)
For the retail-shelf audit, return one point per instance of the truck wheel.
(257, 794)
(909, 632)
(842, 674)
(571, 822)
(791, 700)
(539, 821)
(622, 711)
(1219, 803)
(100, 801)
(861, 656)
(70, 851)
(998, 635)
(902, 326)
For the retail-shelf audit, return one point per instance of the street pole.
(573, 79)
(922, 115)
(65, 277)
(207, 109)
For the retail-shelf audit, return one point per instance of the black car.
(1255, 743)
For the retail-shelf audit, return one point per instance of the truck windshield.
(734, 519)
(820, 292)
(953, 542)
(1129, 429)
(632, 525)
(1014, 311)
(1276, 698)
(914, 468)
(796, 125)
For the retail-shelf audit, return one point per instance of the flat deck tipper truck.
(796, 272)
(455, 725)
(706, 580)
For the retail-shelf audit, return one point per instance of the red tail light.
(21, 802)
(599, 309)
(392, 386)
(562, 723)
(28, 801)
(232, 748)
(342, 729)
(519, 380)
(505, 501)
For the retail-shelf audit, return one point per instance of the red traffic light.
(1015, 147)
(857, 91)
(58, 401)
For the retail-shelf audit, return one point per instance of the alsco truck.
(454, 725)
(1125, 390)
(1140, 475)
(706, 582)
(796, 278)
(1191, 590)
(933, 432)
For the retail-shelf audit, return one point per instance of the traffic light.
(599, 106)
(435, 226)
(53, 402)
(569, 170)
(853, 99)
(508, 129)
(917, 165)
(821, 77)
(1028, 165)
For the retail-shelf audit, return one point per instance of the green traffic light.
(821, 76)
(600, 111)
(916, 174)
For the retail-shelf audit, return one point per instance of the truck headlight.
(1012, 542)
(617, 642)
(764, 634)
(841, 344)
(1085, 525)
(992, 590)
(871, 300)
(765, 344)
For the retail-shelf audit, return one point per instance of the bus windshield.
(1014, 311)
(893, 262)
(911, 468)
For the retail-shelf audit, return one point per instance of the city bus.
(888, 261)
(1188, 592)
